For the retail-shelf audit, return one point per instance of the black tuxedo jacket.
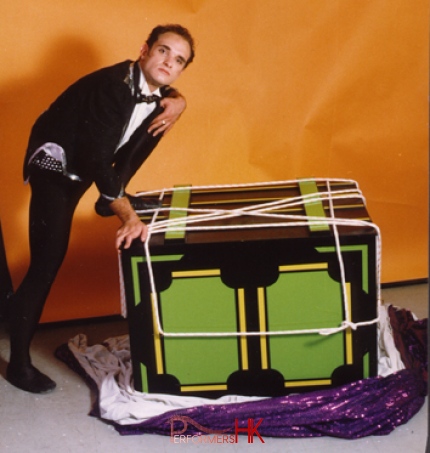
(88, 120)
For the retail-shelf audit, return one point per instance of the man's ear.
(144, 51)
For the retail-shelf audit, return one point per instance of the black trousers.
(53, 202)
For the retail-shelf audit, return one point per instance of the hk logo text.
(179, 427)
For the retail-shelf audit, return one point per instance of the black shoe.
(30, 379)
(138, 203)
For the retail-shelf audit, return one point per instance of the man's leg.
(6, 288)
(53, 202)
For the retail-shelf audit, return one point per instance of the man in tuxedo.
(100, 130)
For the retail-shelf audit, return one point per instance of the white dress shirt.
(141, 111)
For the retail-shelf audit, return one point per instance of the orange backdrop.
(280, 89)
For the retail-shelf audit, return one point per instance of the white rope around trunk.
(196, 221)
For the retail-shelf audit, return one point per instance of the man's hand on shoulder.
(173, 106)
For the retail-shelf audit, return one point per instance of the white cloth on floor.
(109, 365)
(389, 360)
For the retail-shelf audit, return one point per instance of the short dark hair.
(172, 28)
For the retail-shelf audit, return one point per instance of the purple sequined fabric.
(373, 406)
(410, 338)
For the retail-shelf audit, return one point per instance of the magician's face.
(164, 62)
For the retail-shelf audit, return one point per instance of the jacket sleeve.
(108, 107)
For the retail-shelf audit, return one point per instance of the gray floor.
(58, 422)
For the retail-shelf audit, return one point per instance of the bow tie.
(148, 99)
